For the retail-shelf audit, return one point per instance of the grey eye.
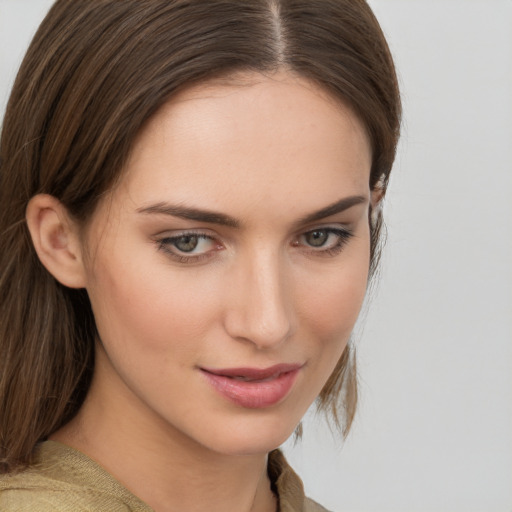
(317, 238)
(186, 243)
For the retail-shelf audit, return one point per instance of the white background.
(433, 432)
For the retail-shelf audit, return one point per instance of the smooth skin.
(265, 276)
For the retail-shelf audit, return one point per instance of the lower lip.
(255, 394)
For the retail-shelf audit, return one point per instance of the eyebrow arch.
(222, 219)
(332, 209)
(200, 215)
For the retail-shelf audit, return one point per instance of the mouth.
(253, 387)
(254, 374)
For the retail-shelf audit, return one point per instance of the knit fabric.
(65, 480)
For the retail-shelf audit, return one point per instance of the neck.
(160, 465)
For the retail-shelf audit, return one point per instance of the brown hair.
(95, 72)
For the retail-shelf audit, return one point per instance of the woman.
(190, 210)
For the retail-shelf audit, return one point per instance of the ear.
(56, 240)
(376, 198)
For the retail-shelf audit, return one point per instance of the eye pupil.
(317, 238)
(186, 243)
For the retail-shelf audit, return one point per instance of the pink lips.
(253, 387)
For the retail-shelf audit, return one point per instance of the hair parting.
(94, 74)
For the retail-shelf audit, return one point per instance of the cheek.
(141, 307)
(144, 307)
(330, 322)
(331, 304)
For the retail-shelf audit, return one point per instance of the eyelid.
(344, 235)
(176, 233)
(342, 229)
(164, 243)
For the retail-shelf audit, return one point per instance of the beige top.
(65, 480)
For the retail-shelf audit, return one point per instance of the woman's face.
(228, 267)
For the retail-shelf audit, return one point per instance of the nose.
(261, 308)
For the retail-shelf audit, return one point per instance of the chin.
(250, 436)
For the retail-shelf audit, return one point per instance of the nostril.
(263, 328)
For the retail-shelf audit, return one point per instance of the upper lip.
(254, 373)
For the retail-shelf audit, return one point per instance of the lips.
(253, 387)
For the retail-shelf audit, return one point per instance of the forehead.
(256, 139)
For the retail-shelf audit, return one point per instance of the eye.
(189, 243)
(324, 241)
(189, 247)
(317, 238)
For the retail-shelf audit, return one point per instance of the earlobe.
(56, 240)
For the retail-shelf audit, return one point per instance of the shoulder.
(26, 495)
(289, 487)
(64, 480)
(313, 506)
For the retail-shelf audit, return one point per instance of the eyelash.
(343, 236)
(164, 244)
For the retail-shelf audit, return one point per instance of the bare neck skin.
(164, 469)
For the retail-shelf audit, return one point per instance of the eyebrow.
(212, 217)
(200, 215)
(333, 209)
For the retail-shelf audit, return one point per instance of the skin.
(268, 153)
